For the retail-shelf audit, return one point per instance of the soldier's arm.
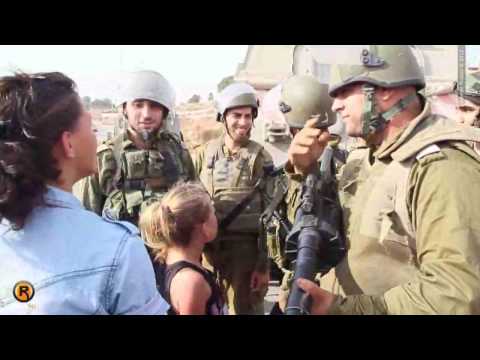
(445, 209)
(197, 158)
(94, 189)
(188, 163)
(88, 192)
(264, 159)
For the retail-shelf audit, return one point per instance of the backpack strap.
(254, 149)
(213, 152)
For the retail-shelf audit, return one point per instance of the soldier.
(302, 97)
(412, 227)
(229, 167)
(141, 163)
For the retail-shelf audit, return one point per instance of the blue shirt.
(77, 262)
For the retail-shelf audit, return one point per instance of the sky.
(97, 69)
(191, 69)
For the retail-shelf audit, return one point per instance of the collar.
(57, 197)
(387, 148)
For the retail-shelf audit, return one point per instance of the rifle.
(316, 242)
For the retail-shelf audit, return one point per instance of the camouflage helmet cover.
(236, 95)
(304, 97)
(386, 66)
(148, 85)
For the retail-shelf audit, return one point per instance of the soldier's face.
(467, 113)
(144, 115)
(348, 103)
(239, 123)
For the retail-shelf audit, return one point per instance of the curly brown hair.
(35, 110)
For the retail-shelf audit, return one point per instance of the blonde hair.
(171, 221)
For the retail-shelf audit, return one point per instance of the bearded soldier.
(141, 163)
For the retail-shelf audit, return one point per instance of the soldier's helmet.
(236, 95)
(472, 89)
(304, 97)
(386, 66)
(148, 85)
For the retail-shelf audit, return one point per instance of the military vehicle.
(266, 66)
(275, 128)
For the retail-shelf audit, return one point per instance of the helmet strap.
(371, 120)
(374, 121)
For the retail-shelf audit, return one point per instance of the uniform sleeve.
(93, 190)
(188, 163)
(133, 288)
(198, 155)
(445, 210)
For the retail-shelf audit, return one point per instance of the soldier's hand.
(321, 299)
(307, 146)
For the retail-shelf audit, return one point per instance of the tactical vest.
(375, 199)
(229, 180)
(128, 191)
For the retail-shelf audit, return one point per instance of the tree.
(210, 97)
(194, 99)
(225, 82)
(102, 104)
(108, 103)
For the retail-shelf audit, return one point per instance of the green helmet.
(148, 85)
(386, 66)
(304, 97)
(236, 95)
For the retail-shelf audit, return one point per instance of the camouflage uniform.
(143, 175)
(130, 178)
(302, 97)
(413, 241)
(240, 249)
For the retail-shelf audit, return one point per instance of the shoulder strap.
(254, 150)
(173, 269)
(212, 153)
(175, 139)
(402, 176)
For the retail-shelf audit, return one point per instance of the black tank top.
(215, 304)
